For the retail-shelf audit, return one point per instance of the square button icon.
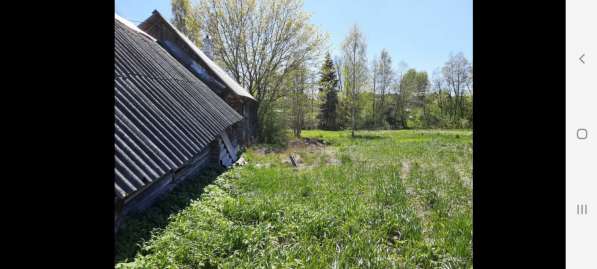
(582, 133)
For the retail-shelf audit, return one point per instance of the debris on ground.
(262, 165)
(293, 159)
(241, 161)
(331, 160)
(312, 145)
(301, 153)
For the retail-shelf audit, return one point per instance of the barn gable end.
(209, 72)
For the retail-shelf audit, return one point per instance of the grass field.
(386, 199)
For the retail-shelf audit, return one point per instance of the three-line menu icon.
(582, 209)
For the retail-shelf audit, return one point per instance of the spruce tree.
(328, 95)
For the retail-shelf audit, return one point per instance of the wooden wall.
(217, 153)
(246, 131)
(147, 196)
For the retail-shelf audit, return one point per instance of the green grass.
(392, 199)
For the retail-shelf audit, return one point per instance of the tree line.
(271, 49)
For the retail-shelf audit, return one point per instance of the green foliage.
(328, 95)
(354, 47)
(138, 228)
(415, 106)
(345, 101)
(398, 199)
(186, 21)
(383, 77)
(366, 119)
(261, 43)
(266, 73)
(434, 116)
(297, 100)
(273, 124)
(411, 92)
(411, 102)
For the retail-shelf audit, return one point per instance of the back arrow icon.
(581, 58)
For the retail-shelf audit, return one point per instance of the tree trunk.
(354, 86)
(373, 112)
(425, 112)
(381, 103)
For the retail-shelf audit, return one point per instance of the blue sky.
(421, 33)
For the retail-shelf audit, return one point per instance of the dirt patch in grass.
(263, 165)
(330, 157)
(307, 143)
(300, 153)
(405, 170)
(262, 150)
(316, 159)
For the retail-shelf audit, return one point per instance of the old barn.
(201, 64)
(169, 123)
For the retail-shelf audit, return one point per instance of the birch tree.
(355, 59)
(457, 72)
(374, 78)
(298, 100)
(400, 106)
(261, 43)
(386, 77)
(437, 85)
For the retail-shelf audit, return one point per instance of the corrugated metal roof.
(219, 72)
(164, 114)
(132, 26)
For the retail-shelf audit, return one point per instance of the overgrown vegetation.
(383, 199)
(137, 228)
(272, 49)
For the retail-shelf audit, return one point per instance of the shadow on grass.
(137, 228)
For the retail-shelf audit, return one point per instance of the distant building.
(169, 124)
